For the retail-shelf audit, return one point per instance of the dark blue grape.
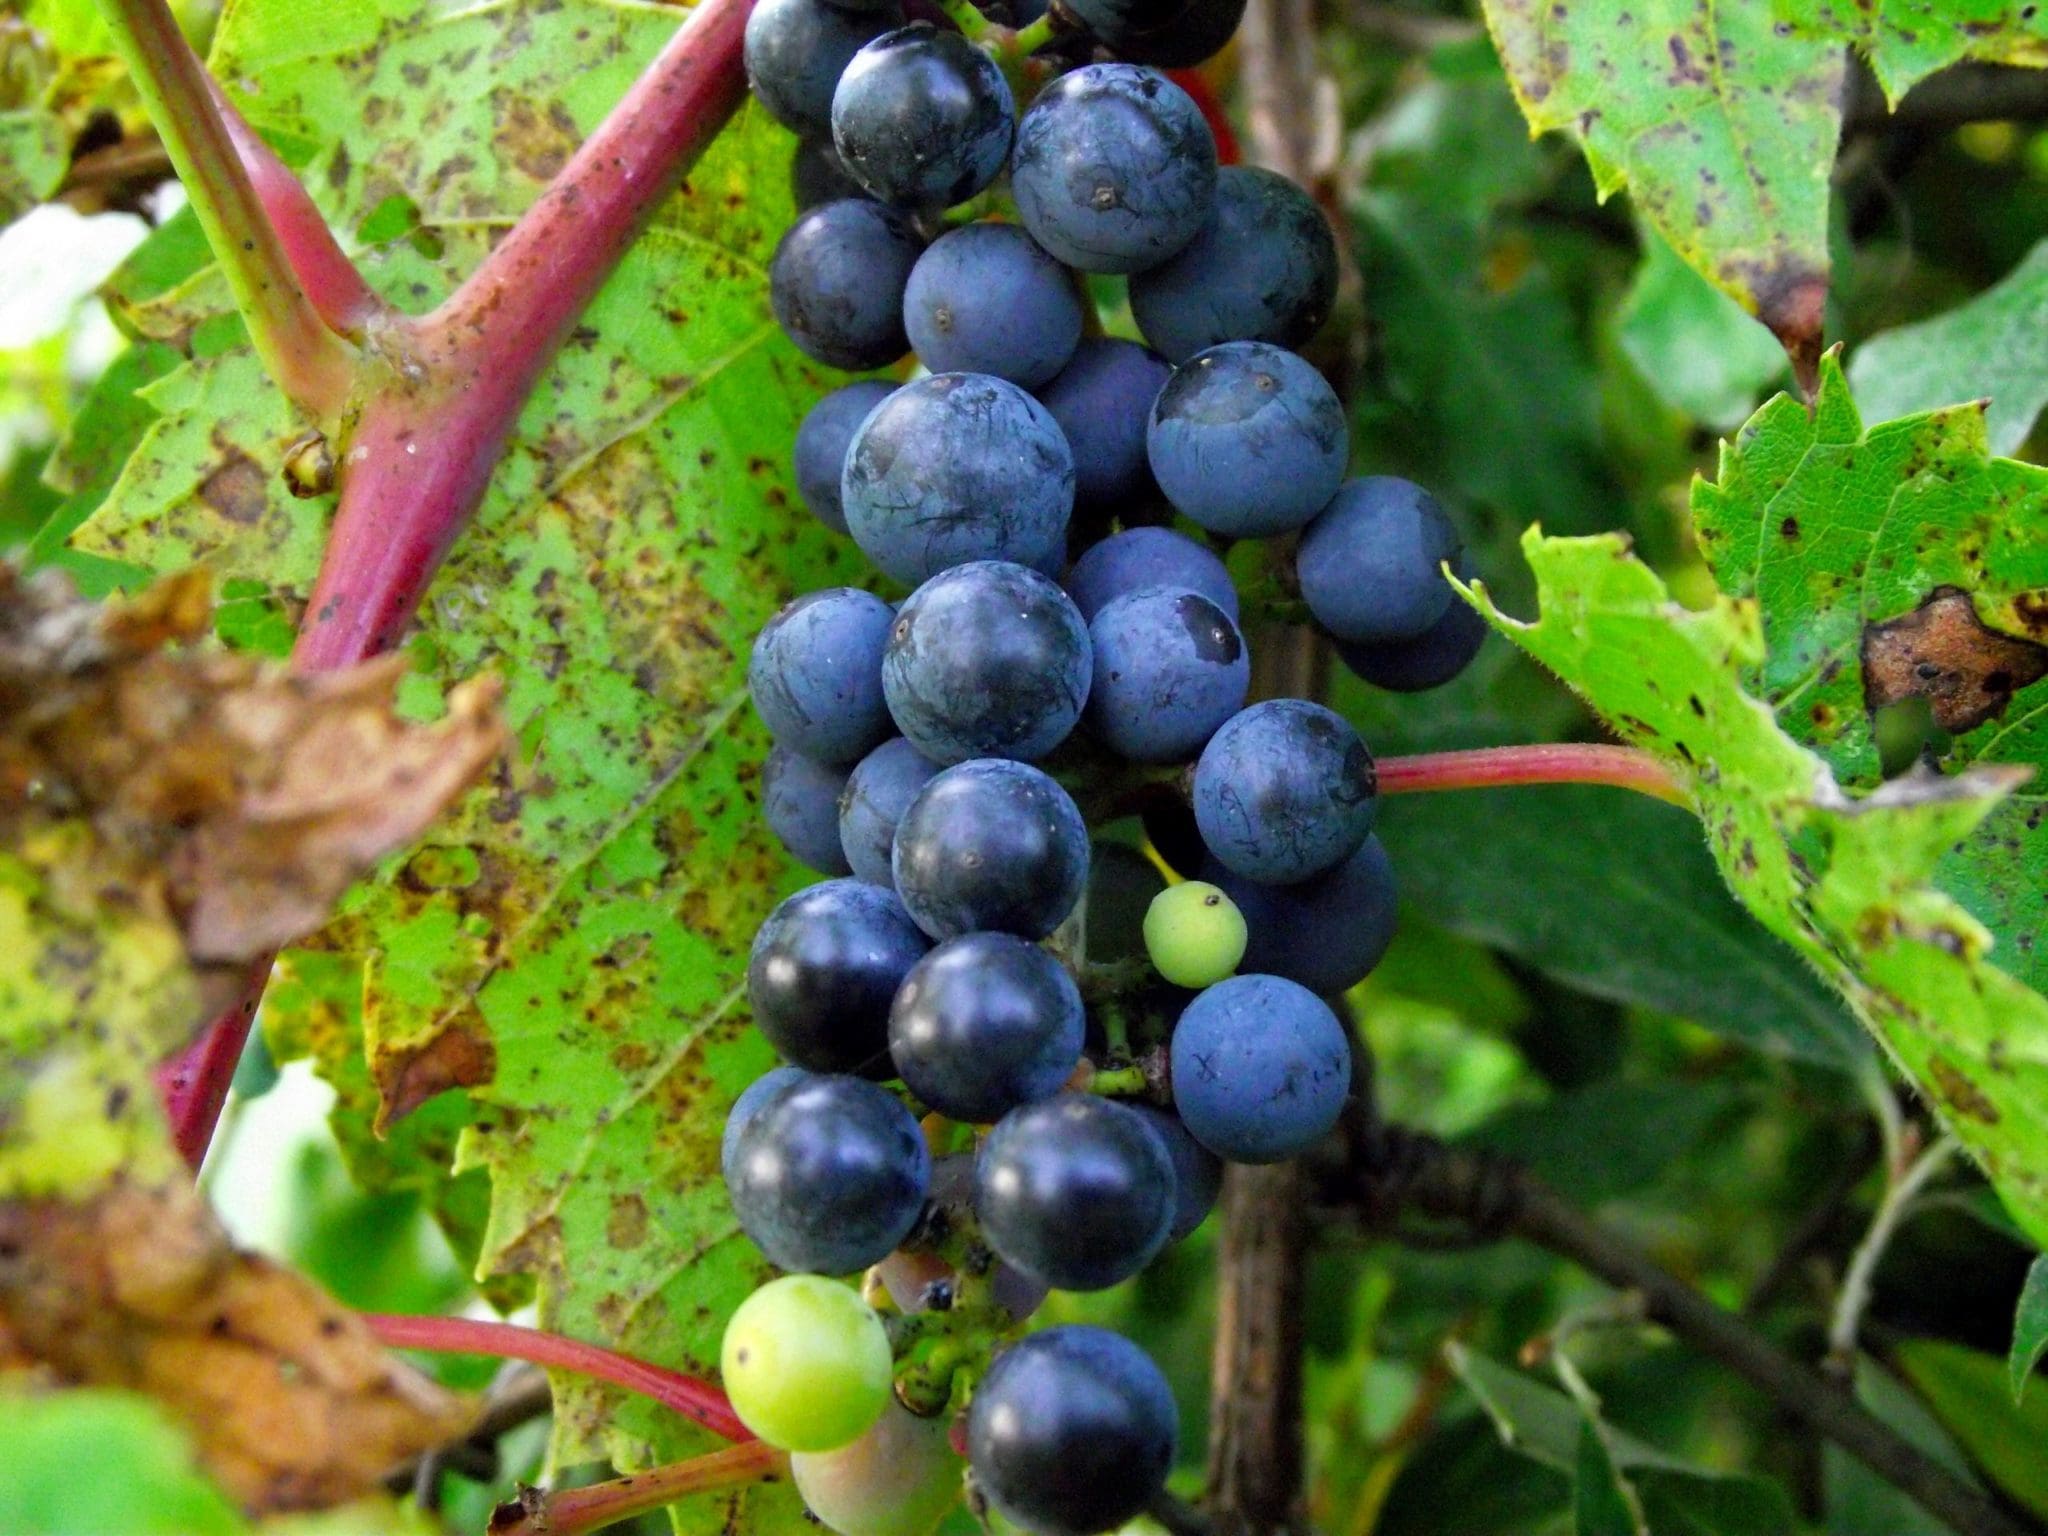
(985, 298)
(1170, 667)
(991, 845)
(1284, 790)
(748, 1104)
(816, 674)
(824, 969)
(923, 118)
(1263, 267)
(796, 50)
(987, 660)
(958, 467)
(822, 441)
(800, 802)
(1102, 401)
(1077, 1191)
(1261, 1068)
(1197, 1172)
(836, 282)
(1326, 932)
(829, 1176)
(1147, 557)
(1248, 440)
(1429, 660)
(880, 790)
(1114, 169)
(1116, 22)
(984, 1023)
(1072, 1431)
(817, 175)
(1371, 563)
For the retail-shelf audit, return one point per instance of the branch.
(1396, 1171)
(695, 1400)
(310, 363)
(571, 1511)
(1558, 763)
(333, 285)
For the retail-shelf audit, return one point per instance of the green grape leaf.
(1694, 345)
(568, 950)
(1893, 563)
(2029, 1328)
(1720, 123)
(1907, 40)
(1989, 348)
(1848, 883)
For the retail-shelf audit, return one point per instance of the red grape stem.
(1550, 763)
(437, 395)
(696, 1400)
(569, 1511)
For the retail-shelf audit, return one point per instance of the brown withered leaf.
(291, 1401)
(1942, 652)
(234, 796)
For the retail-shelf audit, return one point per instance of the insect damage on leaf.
(292, 1402)
(224, 792)
(1942, 652)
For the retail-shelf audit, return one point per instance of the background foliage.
(1656, 1021)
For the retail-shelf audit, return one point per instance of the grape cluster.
(955, 1115)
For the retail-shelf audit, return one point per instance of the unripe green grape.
(1194, 934)
(806, 1363)
(898, 1479)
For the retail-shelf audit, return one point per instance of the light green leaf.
(143, 1481)
(569, 949)
(1694, 345)
(1721, 125)
(1989, 348)
(1907, 40)
(34, 152)
(1846, 883)
(1896, 561)
(1968, 1392)
(2029, 1327)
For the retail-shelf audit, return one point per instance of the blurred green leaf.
(1609, 1138)
(2029, 1328)
(1668, 935)
(1721, 125)
(1970, 1393)
(34, 153)
(1846, 883)
(88, 1463)
(1601, 1493)
(1987, 349)
(1694, 345)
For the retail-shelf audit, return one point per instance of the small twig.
(309, 361)
(526, 1396)
(693, 1399)
(1397, 1171)
(1556, 763)
(1903, 1182)
(571, 1511)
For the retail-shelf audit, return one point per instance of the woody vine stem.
(418, 410)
